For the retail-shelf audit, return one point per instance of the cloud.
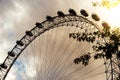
(21, 15)
(5, 5)
(17, 16)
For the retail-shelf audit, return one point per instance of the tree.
(106, 50)
(106, 3)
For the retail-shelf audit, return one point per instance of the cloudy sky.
(17, 16)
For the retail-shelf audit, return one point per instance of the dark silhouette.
(20, 43)
(3, 66)
(39, 25)
(84, 12)
(29, 33)
(106, 50)
(12, 54)
(61, 14)
(72, 12)
(49, 18)
(95, 17)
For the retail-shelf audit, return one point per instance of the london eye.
(48, 51)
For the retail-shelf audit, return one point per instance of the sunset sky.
(17, 16)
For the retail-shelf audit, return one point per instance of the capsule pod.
(29, 33)
(60, 14)
(95, 17)
(49, 18)
(105, 25)
(20, 43)
(84, 12)
(39, 25)
(3, 66)
(12, 54)
(72, 12)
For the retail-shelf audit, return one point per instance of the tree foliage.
(106, 3)
(105, 50)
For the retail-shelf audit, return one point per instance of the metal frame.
(112, 68)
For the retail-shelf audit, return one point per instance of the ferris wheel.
(48, 51)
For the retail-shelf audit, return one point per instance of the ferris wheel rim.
(74, 18)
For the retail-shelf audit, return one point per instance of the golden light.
(110, 3)
(112, 12)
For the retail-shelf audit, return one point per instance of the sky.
(17, 16)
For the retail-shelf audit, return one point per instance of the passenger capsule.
(39, 25)
(84, 12)
(60, 14)
(12, 54)
(95, 17)
(29, 33)
(3, 66)
(72, 12)
(49, 18)
(20, 43)
(105, 25)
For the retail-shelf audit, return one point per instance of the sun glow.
(114, 16)
(110, 3)
(109, 11)
(112, 12)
